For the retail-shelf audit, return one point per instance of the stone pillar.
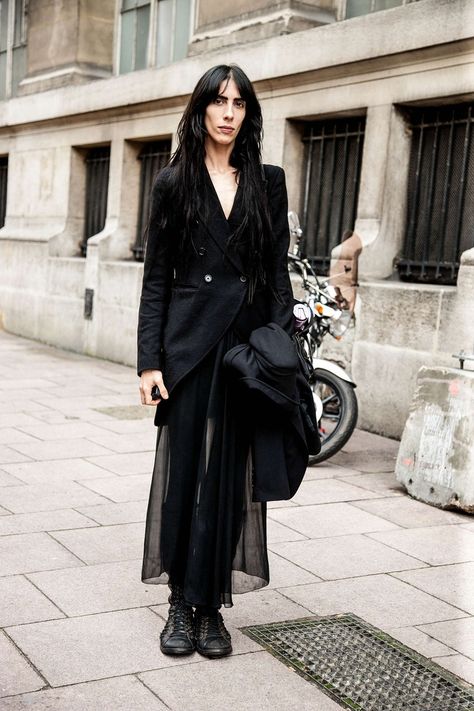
(69, 42)
(382, 194)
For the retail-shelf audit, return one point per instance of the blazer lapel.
(218, 228)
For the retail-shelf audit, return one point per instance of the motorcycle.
(326, 309)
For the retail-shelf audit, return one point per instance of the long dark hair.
(252, 237)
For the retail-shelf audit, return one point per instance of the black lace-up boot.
(212, 637)
(177, 636)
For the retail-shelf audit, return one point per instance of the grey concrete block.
(381, 600)
(451, 583)
(104, 544)
(436, 545)
(324, 520)
(120, 693)
(29, 552)
(99, 588)
(457, 634)
(345, 556)
(21, 602)
(95, 646)
(16, 675)
(211, 686)
(436, 457)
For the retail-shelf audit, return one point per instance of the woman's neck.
(217, 157)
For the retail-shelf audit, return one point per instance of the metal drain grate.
(127, 412)
(361, 667)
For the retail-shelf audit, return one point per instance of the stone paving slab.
(381, 600)
(98, 588)
(125, 464)
(103, 544)
(345, 556)
(325, 491)
(458, 634)
(29, 552)
(56, 471)
(437, 545)
(459, 665)
(135, 487)
(16, 674)
(98, 646)
(268, 685)
(452, 583)
(123, 693)
(127, 512)
(325, 520)
(55, 520)
(21, 602)
(408, 513)
(37, 497)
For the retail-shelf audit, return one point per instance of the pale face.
(224, 116)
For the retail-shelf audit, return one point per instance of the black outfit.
(204, 531)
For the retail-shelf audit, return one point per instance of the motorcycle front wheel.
(339, 416)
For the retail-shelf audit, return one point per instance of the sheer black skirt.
(202, 528)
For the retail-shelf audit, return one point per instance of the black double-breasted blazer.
(183, 315)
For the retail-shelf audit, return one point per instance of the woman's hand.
(148, 379)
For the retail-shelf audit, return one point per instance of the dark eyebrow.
(222, 96)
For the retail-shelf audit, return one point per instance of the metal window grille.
(333, 157)
(97, 182)
(3, 188)
(440, 209)
(153, 157)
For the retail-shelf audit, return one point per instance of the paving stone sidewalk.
(81, 631)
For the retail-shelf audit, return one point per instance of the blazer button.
(202, 251)
(243, 278)
(208, 277)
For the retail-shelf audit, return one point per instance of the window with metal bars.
(440, 205)
(97, 184)
(333, 157)
(3, 188)
(153, 156)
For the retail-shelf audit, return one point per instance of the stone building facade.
(367, 105)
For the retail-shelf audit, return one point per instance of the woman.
(215, 269)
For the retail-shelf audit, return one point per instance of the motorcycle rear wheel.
(340, 411)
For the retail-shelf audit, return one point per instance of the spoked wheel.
(339, 416)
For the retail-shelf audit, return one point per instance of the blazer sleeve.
(156, 285)
(282, 314)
